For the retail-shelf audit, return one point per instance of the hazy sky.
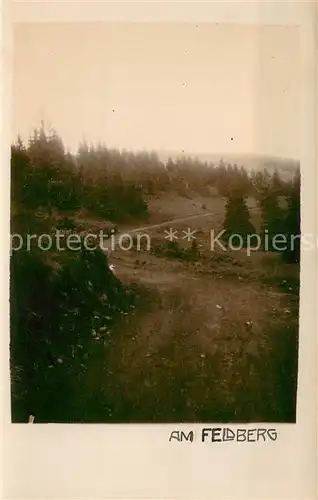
(207, 88)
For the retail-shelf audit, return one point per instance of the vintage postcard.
(162, 250)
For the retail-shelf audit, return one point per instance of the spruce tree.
(237, 218)
(292, 223)
(272, 215)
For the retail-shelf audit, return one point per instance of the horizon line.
(179, 152)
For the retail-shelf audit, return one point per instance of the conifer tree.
(272, 215)
(237, 218)
(292, 223)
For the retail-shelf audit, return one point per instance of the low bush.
(60, 303)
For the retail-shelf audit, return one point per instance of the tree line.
(280, 209)
(116, 185)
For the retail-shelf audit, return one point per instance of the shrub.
(58, 300)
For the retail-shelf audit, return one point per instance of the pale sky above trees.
(207, 88)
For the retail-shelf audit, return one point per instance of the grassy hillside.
(177, 332)
(213, 337)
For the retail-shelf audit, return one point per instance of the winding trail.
(161, 224)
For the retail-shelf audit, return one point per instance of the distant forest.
(116, 184)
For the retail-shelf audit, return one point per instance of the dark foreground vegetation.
(87, 346)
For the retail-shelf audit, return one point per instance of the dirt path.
(171, 222)
(198, 349)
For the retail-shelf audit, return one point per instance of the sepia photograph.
(155, 223)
